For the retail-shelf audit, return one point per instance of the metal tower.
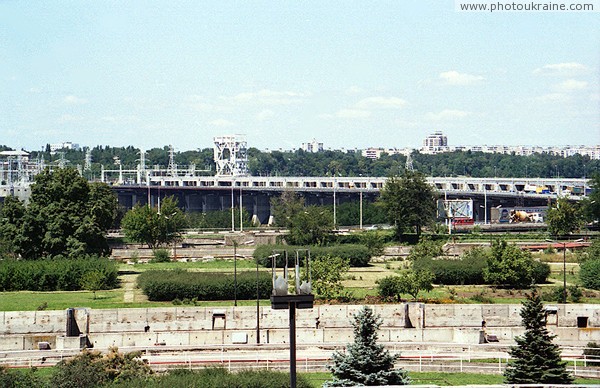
(231, 155)
(172, 166)
(409, 164)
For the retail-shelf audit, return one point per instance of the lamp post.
(235, 243)
(564, 244)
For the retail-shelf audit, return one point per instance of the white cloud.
(121, 119)
(380, 102)
(265, 114)
(455, 78)
(199, 103)
(352, 114)
(221, 123)
(354, 90)
(571, 85)
(348, 114)
(67, 118)
(270, 97)
(595, 97)
(562, 69)
(447, 114)
(74, 100)
(553, 97)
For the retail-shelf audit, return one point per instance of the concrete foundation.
(189, 326)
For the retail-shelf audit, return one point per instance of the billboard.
(455, 208)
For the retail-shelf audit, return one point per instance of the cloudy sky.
(350, 74)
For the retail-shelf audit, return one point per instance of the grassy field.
(359, 283)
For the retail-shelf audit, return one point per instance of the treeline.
(338, 163)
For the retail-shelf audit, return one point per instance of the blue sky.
(350, 74)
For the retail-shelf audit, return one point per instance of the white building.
(63, 146)
(313, 146)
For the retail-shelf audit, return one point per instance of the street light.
(564, 244)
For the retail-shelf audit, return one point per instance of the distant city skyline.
(351, 75)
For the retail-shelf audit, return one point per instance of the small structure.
(301, 299)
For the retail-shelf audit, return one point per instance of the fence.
(419, 357)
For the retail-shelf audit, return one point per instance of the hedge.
(357, 254)
(167, 285)
(469, 270)
(454, 271)
(55, 274)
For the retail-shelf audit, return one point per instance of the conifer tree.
(536, 359)
(365, 362)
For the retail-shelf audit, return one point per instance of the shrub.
(218, 378)
(16, 378)
(169, 285)
(357, 254)
(91, 369)
(466, 270)
(160, 256)
(55, 274)
(589, 274)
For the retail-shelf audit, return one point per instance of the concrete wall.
(189, 325)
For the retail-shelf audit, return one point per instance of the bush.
(91, 369)
(357, 254)
(160, 256)
(466, 270)
(589, 274)
(540, 272)
(55, 274)
(169, 285)
(19, 378)
(218, 378)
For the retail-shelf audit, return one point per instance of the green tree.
(536, 359)
(327, 273)
(591, 204)
(563, 218)
(426, 248)
(508, 265)
(312, 226)
(365, 362)
(409, 282)
(66, 216)
(409, 202)
(147, 225)
(589, 273)
(285, 207)
(92, 281)
(412, 282)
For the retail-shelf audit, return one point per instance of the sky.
(350, 74)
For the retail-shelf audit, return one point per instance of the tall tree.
(147, 225)
(591, 204)
(536, 359)
(312, 226)
(409, 202)
(65, 216)
(286, 207)
(563, 218)
(508, 265)
(365, 362)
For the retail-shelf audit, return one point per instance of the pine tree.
(536, 358)
(365, 362)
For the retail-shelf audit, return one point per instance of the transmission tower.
(409, 164)
(172, 166)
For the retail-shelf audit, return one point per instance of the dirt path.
(128, 284)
